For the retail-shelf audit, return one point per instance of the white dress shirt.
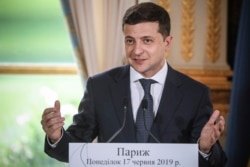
(156, 90)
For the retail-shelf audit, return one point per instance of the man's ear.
(168, 41)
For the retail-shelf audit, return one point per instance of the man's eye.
(129, 41)
(148, 41)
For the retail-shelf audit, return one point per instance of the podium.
(133, 155)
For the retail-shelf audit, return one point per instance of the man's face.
(145, 47)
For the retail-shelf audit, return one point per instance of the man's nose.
(138, 49)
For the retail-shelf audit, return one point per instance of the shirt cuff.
(53, 145)
(204, 155)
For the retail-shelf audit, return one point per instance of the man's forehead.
(150, 27)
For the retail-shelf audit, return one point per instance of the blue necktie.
(145, 118)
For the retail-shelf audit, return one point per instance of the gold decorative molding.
(213, 30)
(223, 108)
(165, 4)
(187, 34)
(38, 69)
(215, 79)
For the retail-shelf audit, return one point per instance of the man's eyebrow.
(128, 36)
(143, 37)
(146, 36)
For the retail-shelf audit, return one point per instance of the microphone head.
(144, 104)
(125, 102)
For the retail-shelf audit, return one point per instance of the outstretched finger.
(57, 105)
(221, 124)
(214, 117)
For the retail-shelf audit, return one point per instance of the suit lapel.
(120, 89)
(170, 100)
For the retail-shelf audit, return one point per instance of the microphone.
(144, 105)
(125, 108)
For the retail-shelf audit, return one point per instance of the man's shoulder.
(186, 80)
(116, 72)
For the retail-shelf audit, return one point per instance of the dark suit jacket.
(184, 109)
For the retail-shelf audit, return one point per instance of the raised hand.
(52, 122)
(211, 132)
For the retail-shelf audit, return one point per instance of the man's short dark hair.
(148, 12)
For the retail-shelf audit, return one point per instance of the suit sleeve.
(217, 157)
(83, 128)
(60, 152)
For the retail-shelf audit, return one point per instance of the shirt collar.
(160, 76)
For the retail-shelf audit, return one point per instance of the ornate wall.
(199, 30)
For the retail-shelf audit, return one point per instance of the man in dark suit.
(181, 111)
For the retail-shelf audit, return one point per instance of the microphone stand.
(125, 108)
